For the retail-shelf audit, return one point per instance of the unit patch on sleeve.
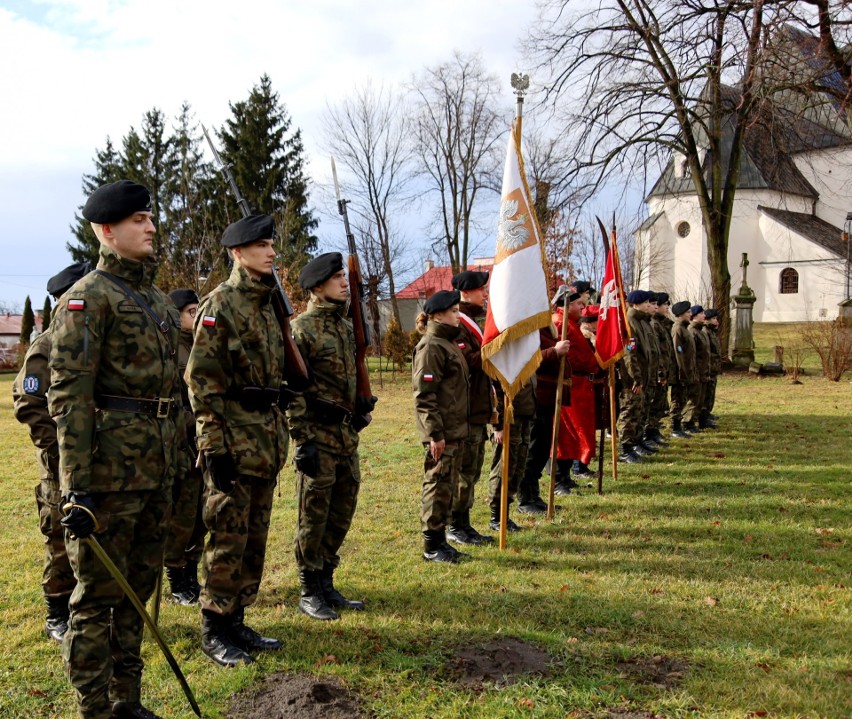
(428, 378)
(76, 305)
(31, 384)
(208, 320)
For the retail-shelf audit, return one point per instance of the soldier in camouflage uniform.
(185, 541)
(638, 370)
(698, 391)
(686, 377)
(324, 424)
(29, 393)
(711, 328)
(115, 397)
(473, 292)
(662, 326)
(235, 371)
(439, 378)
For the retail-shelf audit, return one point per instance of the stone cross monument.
(742, 353)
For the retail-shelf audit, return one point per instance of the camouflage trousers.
(439, 486)
(238, 526)
(694, 401)
(631, 419)
(470, 469)
(710, 398)
(519, 444)
(680, 393)
(101, 648)
(57, 579)
(185, 541)
(658, 405)
(327, 504)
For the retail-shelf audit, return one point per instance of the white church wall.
(830, 172)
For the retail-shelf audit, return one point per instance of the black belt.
(253, 398)
(585, 375)
(160, 408)
(325, 411)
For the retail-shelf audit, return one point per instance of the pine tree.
(27, 323)
(45, 314)
(108, 168)
(266, 158)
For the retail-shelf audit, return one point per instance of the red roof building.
(435, 279)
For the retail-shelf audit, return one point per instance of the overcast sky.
(77, 71)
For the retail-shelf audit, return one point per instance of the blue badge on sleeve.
(31, 384)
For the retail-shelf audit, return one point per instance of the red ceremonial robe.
(577, 429)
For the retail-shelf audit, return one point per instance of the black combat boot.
(461, 532)
(181, 592)
(190, 573)
(436, 549)
(313, 601)
(246, 638)
(334, 598)
(656, 436)
(582, 471)
(706, 423)
(131, 710)
(494, 524)
(529, 499)
(692, 428)
(628, 456)
(471, 531)
(216, 643)
(678, 431)
(56, 623)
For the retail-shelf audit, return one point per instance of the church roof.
(810, 227)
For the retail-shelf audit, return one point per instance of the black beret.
(710, 313)
(581, 286)
(469, 280)
(60, 283)
(564, 291)
(696, 310)
(183, 296)
(319, 269)
(662, 298)
(441, 301)
(637, 297)
(248, 229)
(678, 308)
(116, 201)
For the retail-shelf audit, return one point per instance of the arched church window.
(789, 281)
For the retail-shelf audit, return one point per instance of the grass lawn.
(711, 581)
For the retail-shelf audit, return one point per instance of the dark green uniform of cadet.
(235, 371)
(693, 414)
(439, 378)
(324, 424)
(471, 287)
(711, 329)
(687, 376)
(185, 541)
(29, 393)
(661, 323)
(115, 397)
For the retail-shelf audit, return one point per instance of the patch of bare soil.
(283, 696)
(661, 671)
(501, 661)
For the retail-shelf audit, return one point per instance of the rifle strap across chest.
(162, 325)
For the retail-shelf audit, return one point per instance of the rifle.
(364, 398)
(295, 370)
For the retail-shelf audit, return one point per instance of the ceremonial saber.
(101, 554)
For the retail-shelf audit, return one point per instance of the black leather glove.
(306, 459)
(222, 471)
(80, 516)
(359, 421)
(365, 405)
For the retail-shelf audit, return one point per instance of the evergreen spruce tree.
(27, 323)
(266, 157)
(45, 314)
(108, 168)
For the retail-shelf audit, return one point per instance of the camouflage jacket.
(238, 343)
(702, 350)
(470, 343)
(642, 358)
(29, 393)
(712, 333)
(105, 344)
(184, 348)
(662, 327)
(326, 341)
(439, 379)
(684, 347)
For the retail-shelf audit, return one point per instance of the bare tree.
(457, 129)
(663, 77)
(369, 133)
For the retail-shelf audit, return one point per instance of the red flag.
(613, 329)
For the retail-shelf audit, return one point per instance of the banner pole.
(504, 479)
(612, 423)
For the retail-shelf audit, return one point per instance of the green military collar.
(447, 332)
(135, 272)
(241, 279)
(330, 308)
